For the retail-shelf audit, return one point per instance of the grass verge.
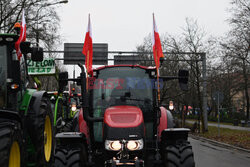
(234, 137)
(222, 123)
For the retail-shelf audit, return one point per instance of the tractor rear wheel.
(42, 134)
(11, 144)
(74, 157)
(179, 155)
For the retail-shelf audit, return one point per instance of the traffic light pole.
(202, 59)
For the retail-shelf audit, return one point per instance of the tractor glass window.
(3, 75)
(23, 72)
(122, 86)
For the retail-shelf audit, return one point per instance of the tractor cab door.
(12, 80)
(3, 76)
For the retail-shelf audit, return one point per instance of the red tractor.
(122, 124)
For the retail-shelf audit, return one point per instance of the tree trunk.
(246, 87)
(199, 96)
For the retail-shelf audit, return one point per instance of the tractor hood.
(123, 122)
(123, 116)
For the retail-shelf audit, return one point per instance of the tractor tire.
(42, 134)
(74, 157)
(11, 144)
(72, 125)
(68, 127)
(179, 155)
(58, 114)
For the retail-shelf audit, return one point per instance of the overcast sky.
(124, 24)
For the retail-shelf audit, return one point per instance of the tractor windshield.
(122, 86)
(3, 75)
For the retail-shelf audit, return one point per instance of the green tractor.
(59, 99)
(26, 118)
(65, 103)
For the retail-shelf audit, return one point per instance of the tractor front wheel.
(179, 155)
(11, 143)
(73, 157)
(42, 134)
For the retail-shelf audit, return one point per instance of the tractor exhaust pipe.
(85, 98)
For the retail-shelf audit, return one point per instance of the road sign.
(45, 67)
(127, 59)
(218, 97)
(73, 53)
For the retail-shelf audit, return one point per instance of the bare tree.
(42, 22)
(237, 42)
(191, 40)
(194, 41)
(41, 19)
(170, 66)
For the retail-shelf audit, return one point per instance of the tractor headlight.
(73, 108)
(153, 73)
(9, 39)
(113, 145)
(133, 145)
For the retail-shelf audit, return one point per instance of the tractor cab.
(115, 87)
(10, 68)
(13, 72)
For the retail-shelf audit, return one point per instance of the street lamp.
(49, 4)
(66, 1)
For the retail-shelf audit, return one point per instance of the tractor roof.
(8, 38)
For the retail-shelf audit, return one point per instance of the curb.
(245, 128)
(225, 145)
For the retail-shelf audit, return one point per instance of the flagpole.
(87, 70)
(158, 83)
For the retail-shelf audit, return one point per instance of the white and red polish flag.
(22, 37)
(88, 48)
(156, 43)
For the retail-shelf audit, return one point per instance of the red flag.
(156, 42)
(88, 48)
(21, 38)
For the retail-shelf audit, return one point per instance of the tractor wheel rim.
(47, 138)
(15, 156)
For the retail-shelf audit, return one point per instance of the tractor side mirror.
(161, 60)
(37, 54)
(183, 79)
(63, 80)
(25, 47)
(16, 83)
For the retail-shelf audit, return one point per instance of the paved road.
(224, 126)
(208, 155)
